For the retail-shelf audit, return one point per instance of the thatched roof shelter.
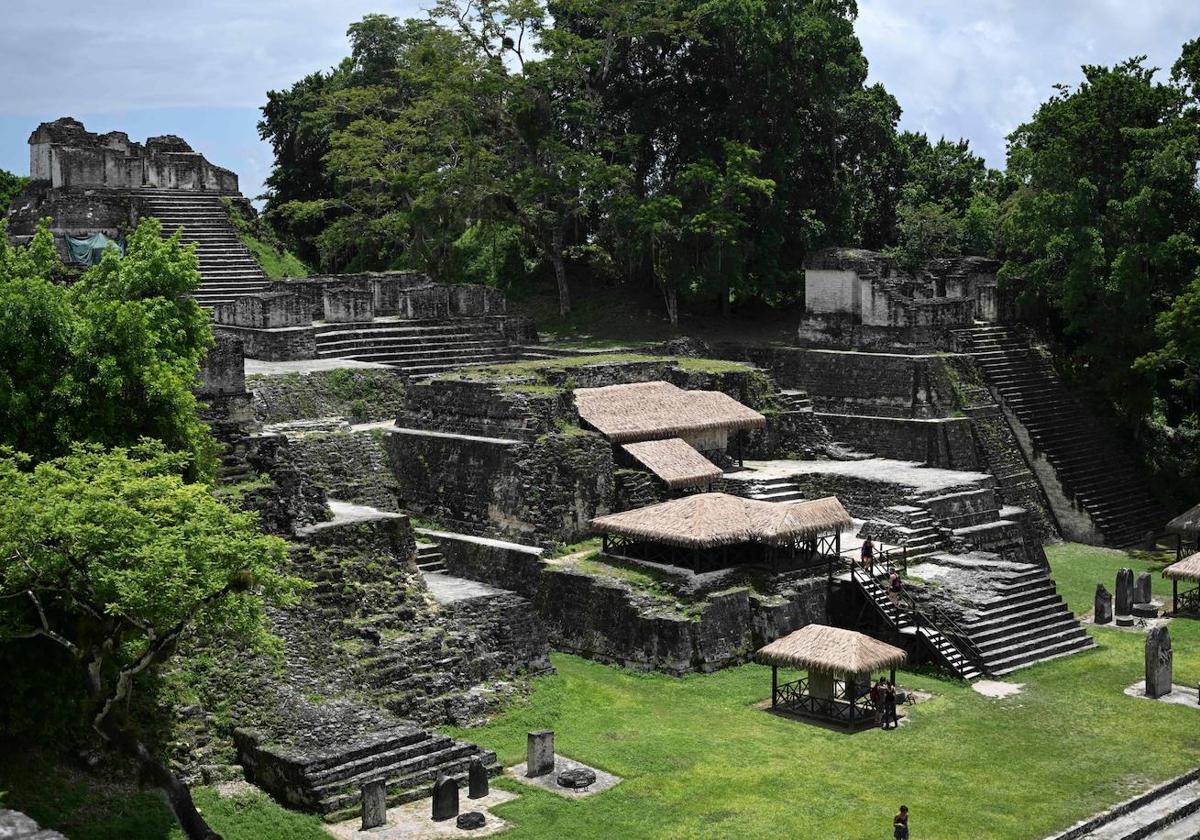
(656, 410)
(675, 462)
(1186, 569)
(1186, 524)
(708, 520)
(818, 647)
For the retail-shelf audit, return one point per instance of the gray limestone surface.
(908, 473)
(374, 804)
(539, 754)
(446, 589)
(261, 367)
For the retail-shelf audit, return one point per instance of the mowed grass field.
(699, 759)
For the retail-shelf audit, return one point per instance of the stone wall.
(605, 619)
(350, 466)
(359, 395)
(941, 442)
(223, 371)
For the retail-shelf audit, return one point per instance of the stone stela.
(539, 753)
(1159, 662)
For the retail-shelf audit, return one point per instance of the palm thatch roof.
(656, 410)
(1186, 569)
(675, 462)
(818, 647)
(1186, 524)
(707, 520)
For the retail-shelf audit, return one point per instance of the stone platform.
(549, 781)
(412, 820)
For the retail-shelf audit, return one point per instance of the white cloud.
(979, 69)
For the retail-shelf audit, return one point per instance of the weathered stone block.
(1102, 614)
(374, 804)
(1124, 591)
(477, 780)
(348, 304)
(445, 798)
(263, 311)
(1141, 588)
(1159, 661)
(539, 753)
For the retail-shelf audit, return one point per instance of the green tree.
(1101, 234)
(10, 185)
(114, 558)
(118, 353)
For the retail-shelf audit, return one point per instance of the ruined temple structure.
(92, 184)
(400, 319)
(858, 298)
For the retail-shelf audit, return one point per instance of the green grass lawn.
(699, 760)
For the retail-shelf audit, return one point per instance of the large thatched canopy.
(675, 462)
(818, 647)
(1186, 569)
(1186, 524)
(657, 410)
(708, 520)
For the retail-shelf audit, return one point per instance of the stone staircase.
(777, 490)
(417, 347)
(329, 779)
(916, 530)
(1093, 467)
(430, 557)
(227, 268)
(936, 631)
(1170, 811)
(1013, 613)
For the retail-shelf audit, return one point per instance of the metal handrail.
(940, 622)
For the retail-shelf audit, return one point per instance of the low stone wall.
(272, 345)
(605, 619)
(545, 490)
(359, 395)
(944, 442)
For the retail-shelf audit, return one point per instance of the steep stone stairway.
(1170, 811)
(430, 558)
(227, 268)
(937, 632)
(417, 348)
(1011, 611)
(1092, 466)
(328, 778)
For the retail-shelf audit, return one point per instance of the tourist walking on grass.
(900, 824)
(868, 556)
(889, 707)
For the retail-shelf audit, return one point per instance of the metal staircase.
(940, 635)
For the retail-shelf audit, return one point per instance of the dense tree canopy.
(10, 185)
(113, 557)
(110, 359)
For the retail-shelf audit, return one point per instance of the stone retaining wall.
(605, 619)
(946, 442)
(358, 395)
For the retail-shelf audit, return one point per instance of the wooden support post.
(774, 685)
(1175, 595)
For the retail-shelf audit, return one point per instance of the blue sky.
(960, 68)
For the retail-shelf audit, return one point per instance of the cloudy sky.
(199, 68)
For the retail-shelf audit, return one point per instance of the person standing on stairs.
(867, 556)
(895, 587)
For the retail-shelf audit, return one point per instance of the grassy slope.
(275, 264)
(700, 761)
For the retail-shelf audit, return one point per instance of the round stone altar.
(470, 820)
(577, 779)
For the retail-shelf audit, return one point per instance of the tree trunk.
(178, 796)
(560, 271)
(671, 299)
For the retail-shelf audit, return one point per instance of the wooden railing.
(795, 697)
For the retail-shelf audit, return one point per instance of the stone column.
(1141, 589)
(374, 804)
(1103, 611)
(477, 780)
(1124, 593)
(1159, 660)
(445, 798)
(539, 753)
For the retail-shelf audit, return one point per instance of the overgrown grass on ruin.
(537, 368)
(700, 759)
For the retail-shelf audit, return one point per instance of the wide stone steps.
(227, 268)
(1091, 468)
(1170, 811)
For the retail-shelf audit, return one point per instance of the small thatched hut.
(839, 664)
(709, 531)
(1187, 527)
(1185, 569)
